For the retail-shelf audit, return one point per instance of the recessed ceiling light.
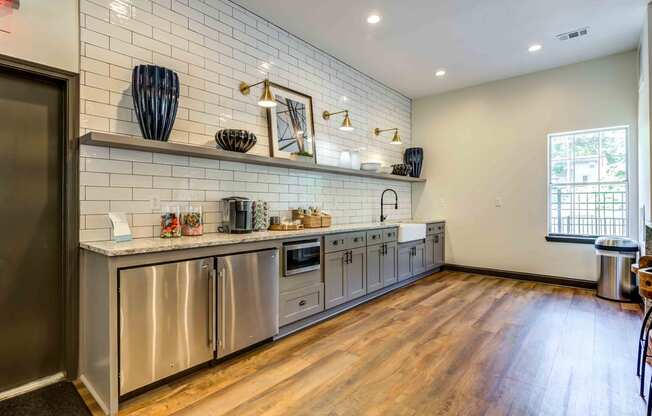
(373, 19)
(535, 48)
(440, 73)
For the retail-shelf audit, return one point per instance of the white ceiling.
(475, 40)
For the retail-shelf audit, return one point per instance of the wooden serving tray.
(285, 227)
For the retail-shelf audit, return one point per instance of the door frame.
(69, 82)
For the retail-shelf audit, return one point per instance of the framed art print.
(291, 126)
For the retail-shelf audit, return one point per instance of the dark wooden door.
(31, 250)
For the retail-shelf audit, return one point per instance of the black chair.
(643, 355)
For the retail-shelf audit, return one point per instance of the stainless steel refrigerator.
(176, 316)
(247, 299)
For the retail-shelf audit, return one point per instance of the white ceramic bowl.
(370, 166)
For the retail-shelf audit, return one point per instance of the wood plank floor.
(451, 344)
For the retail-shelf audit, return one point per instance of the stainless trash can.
(615, 258)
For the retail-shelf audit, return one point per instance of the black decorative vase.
(413, 156)
(155, 91)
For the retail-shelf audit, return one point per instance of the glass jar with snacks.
(192, 221)
(170, 222)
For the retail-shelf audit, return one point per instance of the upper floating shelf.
(128, 142)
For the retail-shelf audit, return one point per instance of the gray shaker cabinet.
(356, 273)
(335, 279)
(345, 276)
(375, 266)
(411, 259)
(419, 259)
(430, 252)
(389, 264)
(404, 262)
(381, 266)
(439, 249)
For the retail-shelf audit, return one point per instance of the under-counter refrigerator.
(247, 306)
(167, 320)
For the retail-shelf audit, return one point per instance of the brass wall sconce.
(395, 140)
(266, 99)
(346, 123)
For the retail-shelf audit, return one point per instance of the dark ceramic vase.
(413, 156)
(155, 91)
(235, 140)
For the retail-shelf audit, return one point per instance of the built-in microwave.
(301, 257)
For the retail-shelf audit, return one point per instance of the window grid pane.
(579, 202)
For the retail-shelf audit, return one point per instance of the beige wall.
(489, 141)
(644, 193)
(45, 32)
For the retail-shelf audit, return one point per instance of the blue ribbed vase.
(413, 156)
(155, 91)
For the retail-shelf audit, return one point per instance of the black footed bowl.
(401, 169)
(235, 140)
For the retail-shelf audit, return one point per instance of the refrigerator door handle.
(222, 298)
(211, 308)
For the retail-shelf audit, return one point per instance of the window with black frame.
(588, 183)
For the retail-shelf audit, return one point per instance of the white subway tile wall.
(213, 45)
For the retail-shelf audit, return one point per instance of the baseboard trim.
(530, 277)
(31, 386)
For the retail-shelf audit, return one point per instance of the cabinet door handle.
(437, 239)
(302, 303)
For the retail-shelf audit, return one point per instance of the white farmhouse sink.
(410, 232)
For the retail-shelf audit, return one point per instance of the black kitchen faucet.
(382, 203)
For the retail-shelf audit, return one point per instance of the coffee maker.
(237, 215)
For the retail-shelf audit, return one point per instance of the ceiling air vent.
(573, 34)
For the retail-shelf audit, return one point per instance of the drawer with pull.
(374, 237)
(435, 228)
(356, 240)
(300, 303)
(390, 234)
(335, 242)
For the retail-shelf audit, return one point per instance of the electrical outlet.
(499, 202)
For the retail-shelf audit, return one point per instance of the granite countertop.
(156, 245)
